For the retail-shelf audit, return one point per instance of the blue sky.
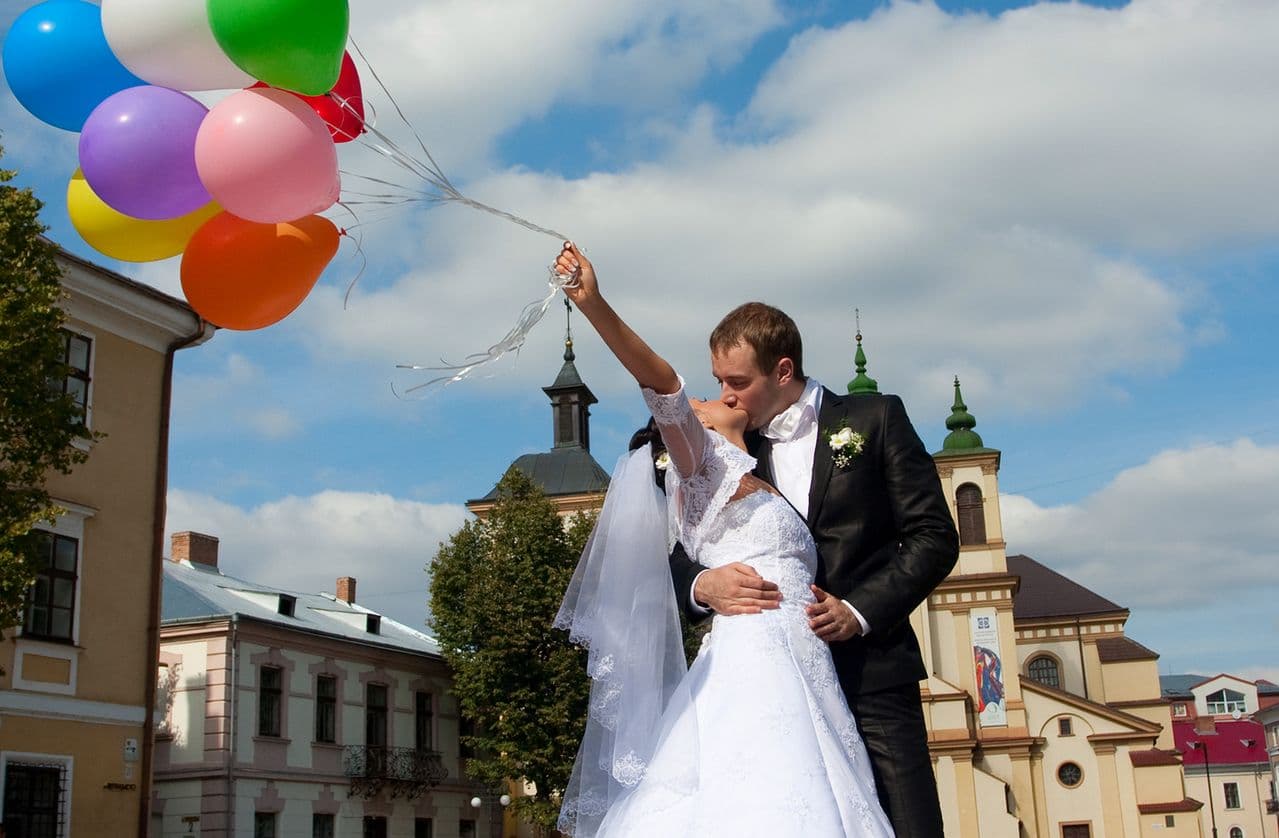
(1071, 206)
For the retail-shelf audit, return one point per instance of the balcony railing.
(401, 772)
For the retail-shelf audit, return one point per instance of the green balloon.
(291, 44)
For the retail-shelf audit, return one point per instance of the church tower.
(568, 474)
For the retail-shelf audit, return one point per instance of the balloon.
(137, 151)
(291, 44)
(343, 124)
(58, 64)
(242, 275)
(129, 239)
(169, 43)
(264, 155)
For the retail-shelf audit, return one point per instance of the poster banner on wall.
(988, 667)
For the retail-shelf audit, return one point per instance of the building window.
(424, 718)
(76, 352)
(1044, 670)
(269, 679)
(1236, 832)
(374, 827)
(321, 826)
(972, 516)
(264, 825)
(1179, 710)
(287, 605)
(1170, 821)
(51, 604)
(1065, 727)
(1070, 775)
(373, 624)
(1076, 830)
(423, 828)
(1232, 795)
(34, 800)
(375, 716)
(466, 829)
(326, 708)
(1226, 701)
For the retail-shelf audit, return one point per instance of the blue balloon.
(58, 63)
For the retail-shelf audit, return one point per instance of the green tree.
(37, 425)
(496, 587)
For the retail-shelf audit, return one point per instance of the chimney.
(346, 589)
(196, 548)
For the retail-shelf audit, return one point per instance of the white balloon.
(169, 43)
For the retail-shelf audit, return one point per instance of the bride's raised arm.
(682, 432)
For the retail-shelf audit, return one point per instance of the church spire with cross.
(862, 384)
(571, 399)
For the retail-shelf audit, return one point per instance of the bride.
(756, 738)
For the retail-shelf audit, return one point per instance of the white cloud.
(1189, 529)
(990, 191)
(305, 543)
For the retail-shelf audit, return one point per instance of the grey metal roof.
(562, 471)
(1178, 686)
(194, 592)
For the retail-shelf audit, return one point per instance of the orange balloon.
(244, 275)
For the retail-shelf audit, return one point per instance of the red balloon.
(342, 108)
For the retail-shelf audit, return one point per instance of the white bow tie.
(790, 423)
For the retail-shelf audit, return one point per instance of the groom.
(884, 537)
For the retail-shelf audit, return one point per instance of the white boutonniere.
(663, 461)
(845, 443)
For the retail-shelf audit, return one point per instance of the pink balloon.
(266, 156)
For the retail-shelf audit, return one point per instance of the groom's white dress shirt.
(794, 433)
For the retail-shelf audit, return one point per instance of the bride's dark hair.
(650, 433)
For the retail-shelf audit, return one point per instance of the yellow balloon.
(124, 237)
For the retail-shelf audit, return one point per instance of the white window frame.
(92, 337)
(70, 525)
(21, 757)
(1227, 705)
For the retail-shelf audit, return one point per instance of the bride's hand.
(584, 284)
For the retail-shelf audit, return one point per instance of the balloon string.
(512, 341)
(444, 191)
(359, 249)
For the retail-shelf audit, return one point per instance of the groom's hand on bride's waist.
(832, 619)
(735, 589)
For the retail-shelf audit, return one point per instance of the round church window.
(1070, 774)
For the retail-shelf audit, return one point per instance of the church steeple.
(962, 438)
(862, 384)
(571, 399)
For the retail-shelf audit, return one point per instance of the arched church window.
(972, 516)
(1044, 670)
(1236, 832)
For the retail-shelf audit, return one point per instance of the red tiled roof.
(1186, 804)
(1154, 756)
(1046, 593)
(1113, 649)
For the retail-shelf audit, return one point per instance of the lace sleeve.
(706, 467)
(682, 431)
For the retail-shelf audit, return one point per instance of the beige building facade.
(1044, 719)
(77, 692)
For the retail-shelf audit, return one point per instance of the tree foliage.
(496, 587)
(37, 426)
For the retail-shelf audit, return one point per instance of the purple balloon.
(137, 151)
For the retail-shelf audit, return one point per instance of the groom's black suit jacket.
(884, 535)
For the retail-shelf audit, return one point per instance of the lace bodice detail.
(761, 529)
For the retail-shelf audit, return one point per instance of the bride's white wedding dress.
(763, 722)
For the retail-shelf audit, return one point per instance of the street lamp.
(1212, 807)
(495, 800)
